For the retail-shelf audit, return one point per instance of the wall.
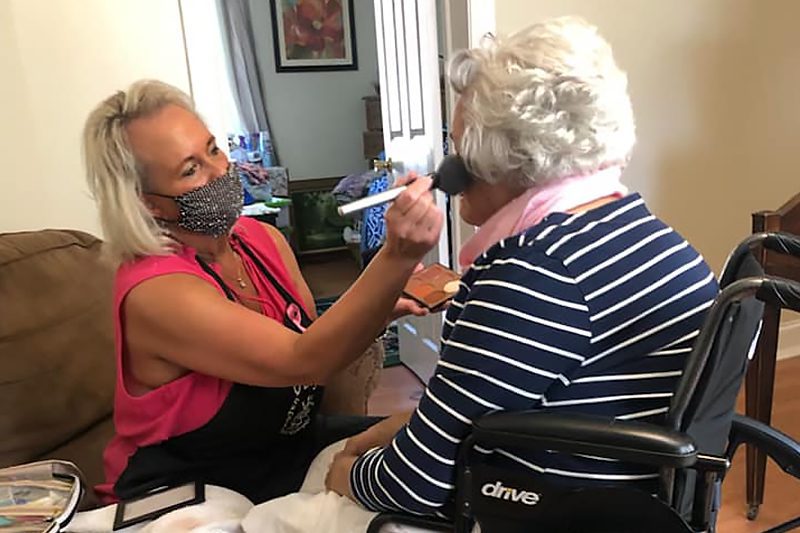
(317, 117)
(714, 87)
(60, 58)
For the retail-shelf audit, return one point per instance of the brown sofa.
(57, 352)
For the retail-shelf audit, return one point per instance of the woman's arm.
(183, 320)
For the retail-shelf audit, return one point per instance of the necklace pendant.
(242, 284)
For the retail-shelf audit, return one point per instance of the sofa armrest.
(779, 446)
(637, 442)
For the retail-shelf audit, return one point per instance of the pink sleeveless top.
(191, 401)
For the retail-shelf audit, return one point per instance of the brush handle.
(371, 201)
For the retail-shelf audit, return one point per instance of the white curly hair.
(546, 102)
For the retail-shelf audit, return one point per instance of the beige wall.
(715, 89)
(58, 58)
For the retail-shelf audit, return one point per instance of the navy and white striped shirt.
(592, 312)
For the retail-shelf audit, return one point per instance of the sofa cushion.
(56, 342)
(86, 450)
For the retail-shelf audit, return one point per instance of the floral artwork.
(311, 35)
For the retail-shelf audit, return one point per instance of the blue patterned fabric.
(373, 227)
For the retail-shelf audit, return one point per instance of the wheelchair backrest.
(703, 407)
(705, 396)
(713, 401)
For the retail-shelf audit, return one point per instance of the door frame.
(462, 24)
(465, 23)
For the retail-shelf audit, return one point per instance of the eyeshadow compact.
(432, 286)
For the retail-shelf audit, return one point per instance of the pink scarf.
(529, 208)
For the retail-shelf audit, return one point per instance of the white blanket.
(313, 509)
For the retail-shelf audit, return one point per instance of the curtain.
(238, 34)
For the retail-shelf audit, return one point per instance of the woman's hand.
(407, 306)
(378, 435)
(381, 434)
(338, 478)
(413, 222)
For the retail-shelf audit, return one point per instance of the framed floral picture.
(313, 35)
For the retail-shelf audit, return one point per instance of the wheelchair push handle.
(782, 242)
(778, 242)
(780, 292)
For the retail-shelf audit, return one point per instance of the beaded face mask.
(211, 209)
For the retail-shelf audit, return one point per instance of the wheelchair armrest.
(421, 523)
(636, 442)
(779, 446)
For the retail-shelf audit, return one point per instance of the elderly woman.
(219, 358)
(576, 296)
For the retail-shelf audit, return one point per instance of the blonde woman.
(220, 358)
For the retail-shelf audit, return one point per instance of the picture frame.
(313, 35)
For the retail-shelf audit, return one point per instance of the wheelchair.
(692, 449)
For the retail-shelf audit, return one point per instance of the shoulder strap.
(210, 271)
(286, 295)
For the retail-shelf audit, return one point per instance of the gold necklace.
(239, 272)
